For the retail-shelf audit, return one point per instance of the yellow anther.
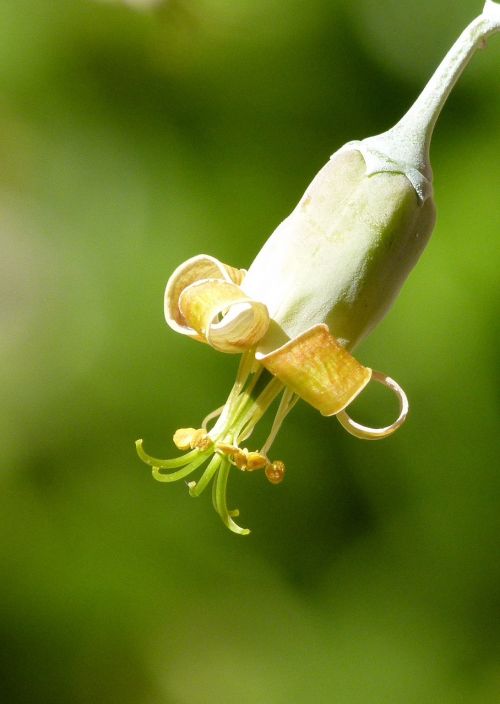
(256, 461)
(227, 449)
(236, 455)
(240, 458)
(249, 461)
(201, 439)
(191, 438)
(183, 437)
(275, 471)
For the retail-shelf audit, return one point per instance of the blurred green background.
(131, 139)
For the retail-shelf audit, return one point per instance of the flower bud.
(343, 254)
(323, 280)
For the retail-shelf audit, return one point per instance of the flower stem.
(408, 142)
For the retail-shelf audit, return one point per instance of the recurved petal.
(194, 269)
(318, 369)
(223, 315)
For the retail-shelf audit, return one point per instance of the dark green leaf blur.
(132, 138)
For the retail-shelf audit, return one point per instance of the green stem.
(416, 127)
(405, 147)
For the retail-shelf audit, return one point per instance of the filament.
(211, 416)
(257, 408)
(288, 401)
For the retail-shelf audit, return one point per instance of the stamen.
(245, 368)
(211, 416)
(240, 458)
(249, 461)
(201, 439)
(288, 401)
(253, 392)
(257, 408)
(227, 449)
(275, 472)
(182, 438)
(365, 433)
(255, 460)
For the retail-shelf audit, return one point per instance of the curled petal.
(365, 433)
(200, 267)
(223, 315)
(318, 369)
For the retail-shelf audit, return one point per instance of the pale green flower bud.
(324, 279)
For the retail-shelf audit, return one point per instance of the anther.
(275, 471)
(249, 461)
(201, 440)
(227, 449)
(240, 458)
(192, 438)
(256, 461)
(182, 438)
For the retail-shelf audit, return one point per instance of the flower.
(324, 279)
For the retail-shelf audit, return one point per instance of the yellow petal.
(194, 269)
(223, 315)
(318, 369)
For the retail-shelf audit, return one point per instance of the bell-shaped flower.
(324, 279)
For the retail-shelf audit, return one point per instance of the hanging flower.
(324, 279)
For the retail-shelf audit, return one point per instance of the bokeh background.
(132, 136)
